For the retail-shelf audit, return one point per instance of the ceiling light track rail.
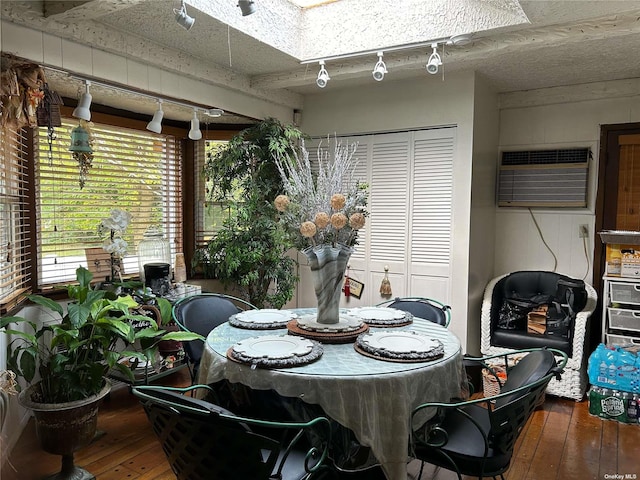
(455, 40)
(380, 69)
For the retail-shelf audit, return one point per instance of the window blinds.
(15, 279)
(133, 170)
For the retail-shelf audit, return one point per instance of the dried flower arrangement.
(327, 208)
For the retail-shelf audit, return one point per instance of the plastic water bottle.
(602, 373)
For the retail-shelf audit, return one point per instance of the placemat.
(265, 362)
(400, 355)
(382, 316)
(326, 337)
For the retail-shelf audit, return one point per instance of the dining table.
(373, 397)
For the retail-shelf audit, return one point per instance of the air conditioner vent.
(545, 157)
(544, 178)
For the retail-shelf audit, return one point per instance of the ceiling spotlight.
(155, 125)
(247, 7)
(323, 76)
(195, 133)
(380, 69)
(183, 18)
(82, 110)
(434, 60)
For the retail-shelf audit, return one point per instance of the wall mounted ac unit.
(544, 178)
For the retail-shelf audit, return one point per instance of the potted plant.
(65, 364)
(250, 250)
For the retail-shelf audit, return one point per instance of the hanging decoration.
(347, 283)
(81, 149)
(385, 286)
(21, 83)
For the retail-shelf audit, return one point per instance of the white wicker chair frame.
(574, 379)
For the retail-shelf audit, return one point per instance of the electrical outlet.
(583, 231)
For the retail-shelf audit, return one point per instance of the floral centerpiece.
(323, 212)
(114, 227)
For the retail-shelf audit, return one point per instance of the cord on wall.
(535, 222)
(586, 256)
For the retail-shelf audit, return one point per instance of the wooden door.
(618, 199)
(628, 204)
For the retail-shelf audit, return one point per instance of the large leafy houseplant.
(250, 251)
(72, 357)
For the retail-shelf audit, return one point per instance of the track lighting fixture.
(82, 110)
(323, 76)
(195, 133)
(183, 18)
(155, 125)
(380, 69)
(247, 7)
(434, 60)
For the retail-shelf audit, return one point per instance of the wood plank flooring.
(560, 442)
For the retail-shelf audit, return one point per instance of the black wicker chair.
(201, 314)
(477, 437)
(420, 307)
(203, 441)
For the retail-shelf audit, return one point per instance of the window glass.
(133, 170)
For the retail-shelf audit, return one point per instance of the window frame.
(117, 118)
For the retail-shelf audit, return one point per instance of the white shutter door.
(360, 173)
(389, 198)
(431, 213)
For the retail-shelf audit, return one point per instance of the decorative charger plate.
(275, 351)
(382, 316)
(399, 346)
(263, 319)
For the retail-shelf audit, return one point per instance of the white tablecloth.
(374, 398)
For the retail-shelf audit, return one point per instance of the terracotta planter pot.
(63, 428)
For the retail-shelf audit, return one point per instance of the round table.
(372, 397)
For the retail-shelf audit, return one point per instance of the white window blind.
(15, 233)
(133, 170)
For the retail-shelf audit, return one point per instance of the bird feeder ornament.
(385, 286)
(81, 150)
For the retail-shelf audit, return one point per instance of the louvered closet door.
(430, 239)
(409, 228)
(385, 241)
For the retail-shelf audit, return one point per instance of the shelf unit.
(143, 376)
(621, 310)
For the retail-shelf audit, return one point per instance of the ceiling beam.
(138, 48)
(75, 10)
(620, 26)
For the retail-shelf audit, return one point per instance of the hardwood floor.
(561, 442)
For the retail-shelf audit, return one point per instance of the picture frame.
(355, 288)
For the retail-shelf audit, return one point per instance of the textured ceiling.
(515, 45)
